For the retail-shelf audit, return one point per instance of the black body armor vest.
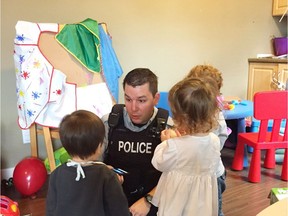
(133, 152)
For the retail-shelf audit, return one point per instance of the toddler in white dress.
(188, 157)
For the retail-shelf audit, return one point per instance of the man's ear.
(156, 98)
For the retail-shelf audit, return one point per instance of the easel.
(48, 134)
(75, 73)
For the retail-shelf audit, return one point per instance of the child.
(83, 186)
(212, 74)
(188, 162)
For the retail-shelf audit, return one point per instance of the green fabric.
(82, 41)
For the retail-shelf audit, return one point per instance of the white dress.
(222, 133)
(188, 184)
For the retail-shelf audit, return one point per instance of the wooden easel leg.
(49, 147)
(33, 141)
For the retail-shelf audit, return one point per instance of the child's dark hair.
(194, 105)
(81, 132)
(140, 76)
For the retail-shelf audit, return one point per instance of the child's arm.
(114, 198)
(222, 131)
(165, 156)
(120, 177)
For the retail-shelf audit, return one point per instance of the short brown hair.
(140, 76)
(81, 132)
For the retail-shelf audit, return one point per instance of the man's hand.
(140, 208)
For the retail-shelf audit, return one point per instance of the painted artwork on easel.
(61, 68)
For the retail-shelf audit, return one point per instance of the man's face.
(140, 103)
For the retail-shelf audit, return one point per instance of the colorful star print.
(20, 38)
(21, 59)
(36, 95)
(36, 63)
(25, 75)
(21, 93)
(30, 113)
(58, 92)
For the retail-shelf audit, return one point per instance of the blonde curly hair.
(205, 71)
(194, 105)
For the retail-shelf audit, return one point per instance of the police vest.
(133, 152)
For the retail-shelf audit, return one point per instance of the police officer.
(132, 134)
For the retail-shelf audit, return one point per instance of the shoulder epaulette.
(114, 116)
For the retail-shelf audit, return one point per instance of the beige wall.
(167, 36)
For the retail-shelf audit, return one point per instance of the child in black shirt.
(84, 186)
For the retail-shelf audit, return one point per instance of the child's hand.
(120, 177)
(169, 133)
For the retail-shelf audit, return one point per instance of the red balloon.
(29, 175)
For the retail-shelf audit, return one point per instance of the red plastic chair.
(267, 105)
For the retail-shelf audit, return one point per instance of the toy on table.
(229, 106)
(230, 102)
(9, 207)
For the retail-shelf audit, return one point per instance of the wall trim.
(7, 173)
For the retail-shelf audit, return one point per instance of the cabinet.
(279, 7)
(265, 75)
